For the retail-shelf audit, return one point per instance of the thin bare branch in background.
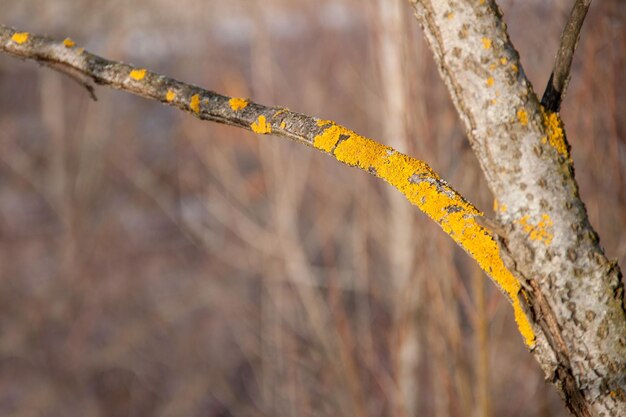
(559, 78)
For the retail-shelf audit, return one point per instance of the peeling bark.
(574, 293)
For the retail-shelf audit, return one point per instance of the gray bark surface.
(574, 293)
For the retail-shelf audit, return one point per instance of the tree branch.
(559, 79)
(413, 178)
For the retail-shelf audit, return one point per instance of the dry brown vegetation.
(155, 265)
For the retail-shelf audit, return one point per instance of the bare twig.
(559, 79)
(413, 178)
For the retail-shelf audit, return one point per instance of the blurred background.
(155, 265)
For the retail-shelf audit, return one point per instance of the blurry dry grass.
(154, 265)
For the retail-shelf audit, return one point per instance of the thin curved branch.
(413, 178)
(559, 79)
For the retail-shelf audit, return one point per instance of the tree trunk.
(573, 294)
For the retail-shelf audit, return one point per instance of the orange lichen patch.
(194, 104)
(542, 231)
(522, 116)
(238, 103)
(554, 129)
(486, 43)
(327, 140)
(423, 188)
(138, 74)
(68, 43)
(261, 126)
(170, 96)
(504, 60)
(490, 82)
(20, 37)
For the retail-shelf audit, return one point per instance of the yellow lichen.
(20, 37)
(522, 116)
(449, 15)
(499, 207)
(279, 112)
(504, 60)
(514, 68)
(542, 231)
(138, 74)
(554, 128)
(194, 104)
(327, 140)
(283, 124)
(423, 188)
(490, 82)
(170, 95)
(68, 43)
(486, 43)
(238, 103)
(261, 126)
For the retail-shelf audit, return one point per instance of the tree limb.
(413, 178)
(559, 79)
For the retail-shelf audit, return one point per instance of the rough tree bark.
(541, 251)
(574, 293)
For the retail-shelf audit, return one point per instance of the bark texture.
(574, 293)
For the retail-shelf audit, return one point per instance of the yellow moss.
(138, 74)
(554, 129)
(68, 43)
(261, 126)
(170, 95)
(490, 82)
(423, 188)
(486, 43)
(238, 103)
(194, 104)
(20, 37)
(504, 60)
(542, 231)
(522, 116)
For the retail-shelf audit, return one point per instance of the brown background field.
(155, 265)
